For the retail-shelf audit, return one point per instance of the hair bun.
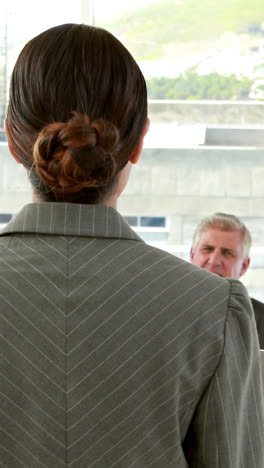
(98, 132)
(72, 155)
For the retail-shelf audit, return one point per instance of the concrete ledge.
(234, 136)
(211, 112)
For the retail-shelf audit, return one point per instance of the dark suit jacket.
(115, 354)
(259, 316)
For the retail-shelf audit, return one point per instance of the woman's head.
(76, 112)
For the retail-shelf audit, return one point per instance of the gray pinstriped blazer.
(115, 354)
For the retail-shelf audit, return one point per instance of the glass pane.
(153, 221)
(204, 66)
(132, 220)
(5, 217)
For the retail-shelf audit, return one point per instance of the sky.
(27, 18)
(32, 14)
(110, 9)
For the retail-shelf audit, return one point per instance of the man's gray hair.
(224, 222)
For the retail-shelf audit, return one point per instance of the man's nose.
(215, 258)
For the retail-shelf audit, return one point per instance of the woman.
(114, 354)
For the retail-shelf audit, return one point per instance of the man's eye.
(229, 254)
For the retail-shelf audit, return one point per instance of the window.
(147, 221)
(204, 65)
(152, 229)
(5, 217)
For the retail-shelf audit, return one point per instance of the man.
(221, 245)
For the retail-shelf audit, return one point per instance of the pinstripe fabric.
(118, 355)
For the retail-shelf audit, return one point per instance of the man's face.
(220, 252)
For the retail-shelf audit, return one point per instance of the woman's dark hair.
(77, 107)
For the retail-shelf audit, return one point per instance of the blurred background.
(204, 66)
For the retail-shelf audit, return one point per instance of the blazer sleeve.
(228, 425)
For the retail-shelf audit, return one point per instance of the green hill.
(175, 28)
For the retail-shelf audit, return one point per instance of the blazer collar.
(70, 219)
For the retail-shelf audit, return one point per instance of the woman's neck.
(110, 200)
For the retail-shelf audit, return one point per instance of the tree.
(190, 85)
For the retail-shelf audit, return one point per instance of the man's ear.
(136, 153)
(191, 254)
(245, 266)
(10, 146)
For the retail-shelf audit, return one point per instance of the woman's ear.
(136, 154)
(10, 146)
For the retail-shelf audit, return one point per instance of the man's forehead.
(229, 237)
